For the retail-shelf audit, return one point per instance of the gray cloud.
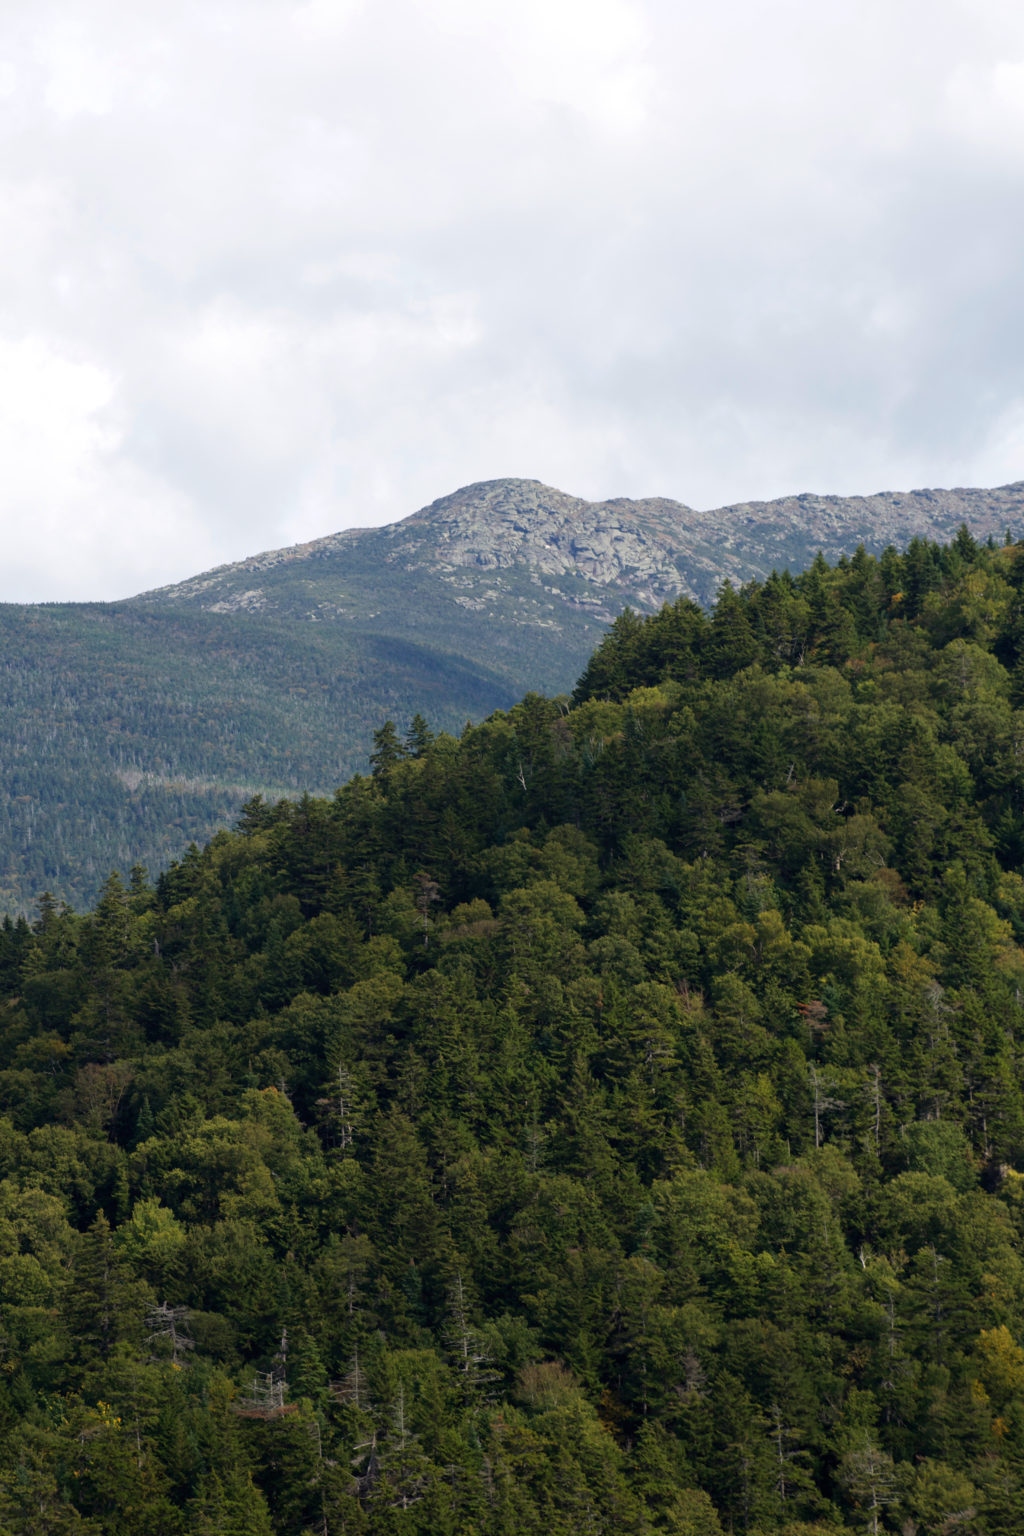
(273, 269)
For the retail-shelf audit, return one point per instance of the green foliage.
(610, 1120)
(128, 732)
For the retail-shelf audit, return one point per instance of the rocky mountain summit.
(644, 552)
(634, 546)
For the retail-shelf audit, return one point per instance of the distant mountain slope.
(129, 729)
(126, 733)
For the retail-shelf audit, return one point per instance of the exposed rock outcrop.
(643, 551)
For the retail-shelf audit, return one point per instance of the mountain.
(609, 1122)
(129, 729)
(581, 555)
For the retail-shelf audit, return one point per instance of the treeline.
(610, 1120)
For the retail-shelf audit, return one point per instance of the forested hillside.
(125, 734)
(609, 1121)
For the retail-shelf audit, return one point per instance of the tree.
(387, 752)
(103, 1304)
(419, 737)
(868, 1476)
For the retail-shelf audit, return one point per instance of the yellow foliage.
(1001, 1362)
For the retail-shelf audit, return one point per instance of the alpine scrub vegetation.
(610, 1121)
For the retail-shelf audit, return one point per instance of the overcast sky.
(268, 270)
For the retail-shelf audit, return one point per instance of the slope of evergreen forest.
(126, 733)
(608, 1121)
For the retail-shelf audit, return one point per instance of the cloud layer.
(274, 269)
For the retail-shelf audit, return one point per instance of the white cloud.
(271, 269)
(72, 501)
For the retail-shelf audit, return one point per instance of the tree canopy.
(610, 1120)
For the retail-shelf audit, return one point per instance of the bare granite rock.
(641, 551)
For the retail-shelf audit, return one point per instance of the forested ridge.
(610, 1121)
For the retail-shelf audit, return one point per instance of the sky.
(273, 269)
